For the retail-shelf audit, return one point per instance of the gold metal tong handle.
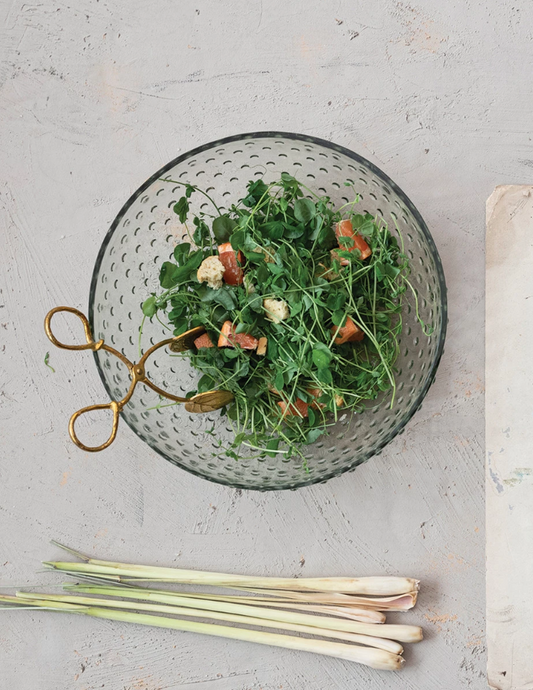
(89, 345)
(202, 402)
(115, 408)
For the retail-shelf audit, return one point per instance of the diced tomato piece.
(298, 408)
(203, 341)
(349, 333)
(228, 338)
(246, 341)
(225, 331)
(232, 262)
(345, 229)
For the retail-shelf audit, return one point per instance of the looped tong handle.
(203, 402)
(115, 408)
(89, 345)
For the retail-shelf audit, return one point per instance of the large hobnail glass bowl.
(144, 234)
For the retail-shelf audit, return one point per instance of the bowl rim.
(432, 370)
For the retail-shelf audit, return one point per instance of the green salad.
(301, 304)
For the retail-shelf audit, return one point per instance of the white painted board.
(509, 437)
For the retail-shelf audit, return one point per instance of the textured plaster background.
(94, 97)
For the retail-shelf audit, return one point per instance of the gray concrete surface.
(94, 97)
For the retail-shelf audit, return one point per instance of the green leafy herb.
(288, 397)
(223, 226)
(46, 361)
(182, 209)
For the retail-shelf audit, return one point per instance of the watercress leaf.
(311, 416)
(275, 269)
(326, 237)
(272, 444)
(206, 383)
(242, 328)
(223, 296)
(313, 434)
(262, 273)
(182, 209)
(189, 189)
(345, 241)
(367, 228)
(254, 257)
(181, 252)
(320, 359)
(304, 210)
(379, 269)
(272, 350)
(293, 232)
(390, 270)
(176, 313)
(255, 302)
(237, 239)
(338, 318)
(167, 275)
(150, 307)
(279, 381)
(296, 308)
(283, 204)
(357, 221)
(323, 348)
(242, 368)
(223, 226)
(321, 355)
(324, 376)
(256, 190)
(318, 223)
(274, 229)
(336, 300)
(201, 234)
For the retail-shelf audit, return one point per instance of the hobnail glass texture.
(144, 235)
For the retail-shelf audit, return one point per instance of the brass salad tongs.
(202, 402)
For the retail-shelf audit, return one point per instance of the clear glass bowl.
(144, 234)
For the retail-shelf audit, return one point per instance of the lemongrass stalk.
(402, 633)
(379, 643)
(353, 613)
(398, 602)
(57, 605)
(369, 656)
(375, 658)
(356, 585)
(401, 602)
